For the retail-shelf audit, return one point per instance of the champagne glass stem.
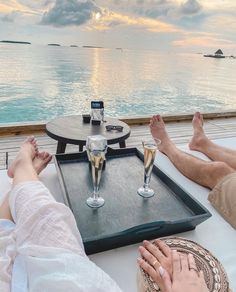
(146, 181)
(96, 182)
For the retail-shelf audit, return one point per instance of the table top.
(72, 130)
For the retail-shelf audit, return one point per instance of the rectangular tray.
(126, 217)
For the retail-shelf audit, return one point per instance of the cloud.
(204, 42)
(7, 18)
(190, 7)
(110, 19)
(10, 17)
(36, 4)
(68, 13)
(156, 8)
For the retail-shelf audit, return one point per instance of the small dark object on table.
(86, 118)
(112, 127)
(96, 122)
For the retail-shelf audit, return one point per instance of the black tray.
(126, 217)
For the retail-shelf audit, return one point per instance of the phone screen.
(97, 104)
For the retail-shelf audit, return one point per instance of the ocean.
(38, 83)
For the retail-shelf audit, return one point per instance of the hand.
(186, 277)
(155, 257)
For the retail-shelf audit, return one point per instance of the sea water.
(38, 83)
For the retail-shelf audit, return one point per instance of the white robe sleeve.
(41, 222)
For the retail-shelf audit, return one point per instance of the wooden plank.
(39, 127)
(177, 118)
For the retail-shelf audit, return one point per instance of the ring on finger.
(154, 263)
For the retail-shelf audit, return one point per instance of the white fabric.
(44, 250)
(7, 253)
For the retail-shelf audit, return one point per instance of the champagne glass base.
(95, 203)
(145, 193)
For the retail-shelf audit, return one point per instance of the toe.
(49, 158)
(161, 119)
(41, 155)
(46, 155)
(157, 118)
(30, 139)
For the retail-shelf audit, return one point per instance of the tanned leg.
(202, 143)
(205, 173)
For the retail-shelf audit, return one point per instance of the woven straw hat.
(214, 273)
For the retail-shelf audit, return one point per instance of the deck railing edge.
(25, 128)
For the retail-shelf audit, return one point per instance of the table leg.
(61, 147)
(81, 147)
(122, 144)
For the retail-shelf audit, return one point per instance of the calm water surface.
(40, 82)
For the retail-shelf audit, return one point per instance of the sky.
(163, 25)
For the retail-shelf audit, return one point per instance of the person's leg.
(8, 238)
(24, 171)
(29, 143)
(202, 143)
(205, 173)
(40, 221)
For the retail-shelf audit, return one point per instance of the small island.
(73, 46)
(54, 45)
(15, 42)
(218, 54)
(93, 47)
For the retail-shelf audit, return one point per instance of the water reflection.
(40, 82)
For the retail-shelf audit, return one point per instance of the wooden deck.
(180, 132)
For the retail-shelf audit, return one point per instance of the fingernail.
(161, 271)
(139, 260)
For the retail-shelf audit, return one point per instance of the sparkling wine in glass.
(96, 150)
(150, 149)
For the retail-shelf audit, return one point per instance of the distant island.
(93, 47)
(54, 45)
(219, 55)
(73, 46)
(15, 42)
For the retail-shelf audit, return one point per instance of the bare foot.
(199, 138)
(28, 150)
(158, 131)
(41, 160)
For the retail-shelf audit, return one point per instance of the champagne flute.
(150, 149)
(96, 149)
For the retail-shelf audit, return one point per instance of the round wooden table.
(72, 130)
